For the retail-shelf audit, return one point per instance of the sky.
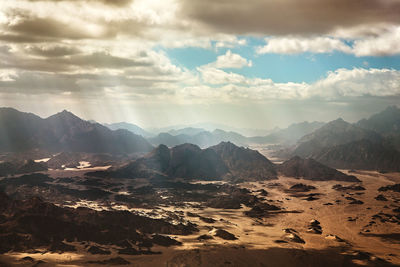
(247, 64)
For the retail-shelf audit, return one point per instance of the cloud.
(232, 61)
(211, 75)
(52, 50)
(376, 42)
(295, 45)
(385, 44)
(288, 16)
(229, 41)
(339, 84)
(358, 82)
(53, 28)
(107, 2)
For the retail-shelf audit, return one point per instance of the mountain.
(20, 131)
(130, 127)
(363, 154)
(386, 122)
(186, 131)
(311, 169)
(337, 132)
(244, 163)
(188, 161)
(202, 139)
(289, 135)
(170, 140)
(209, 127)
(63, 131)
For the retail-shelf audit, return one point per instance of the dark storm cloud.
(17, 38)
(101, 60)
(53, 51)
(30, 28)
(48, 28)
(119, 3)
(39, 83)
(63, 58)
(33, 83)
(278, 17)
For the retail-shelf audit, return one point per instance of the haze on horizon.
(239, 63)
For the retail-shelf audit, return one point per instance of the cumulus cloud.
(295, 45)
(385, 44)
(342, 83)
(211, 75)
(383, 41)
(231, 60)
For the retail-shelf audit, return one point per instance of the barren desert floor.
(365, 232)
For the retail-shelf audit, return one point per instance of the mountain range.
(205, 138)
(370, 144)
(225, 161)
(289, 135)
(201, 138)
(63, 131)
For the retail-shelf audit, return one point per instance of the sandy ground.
(256, 245)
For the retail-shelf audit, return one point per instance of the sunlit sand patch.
(123, 193)
(83, 164)
(79, 168)
(42, 160)
(94, 205)
(208, 182)
(46, 256)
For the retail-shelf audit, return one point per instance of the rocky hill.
(311, 169)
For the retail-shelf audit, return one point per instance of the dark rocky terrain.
(363, 154)
(31, 223)
(18, 167)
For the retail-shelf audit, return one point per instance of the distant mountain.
(209, 127)
(244, 163)
(130, 127)
(363, 154)
(186, 131)
(188, 161)
(310, 169)
(202, 139)
(370, 144)
(337, 132)
(63, 131)
(386, 122)
(170, 140)
(289, 135)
